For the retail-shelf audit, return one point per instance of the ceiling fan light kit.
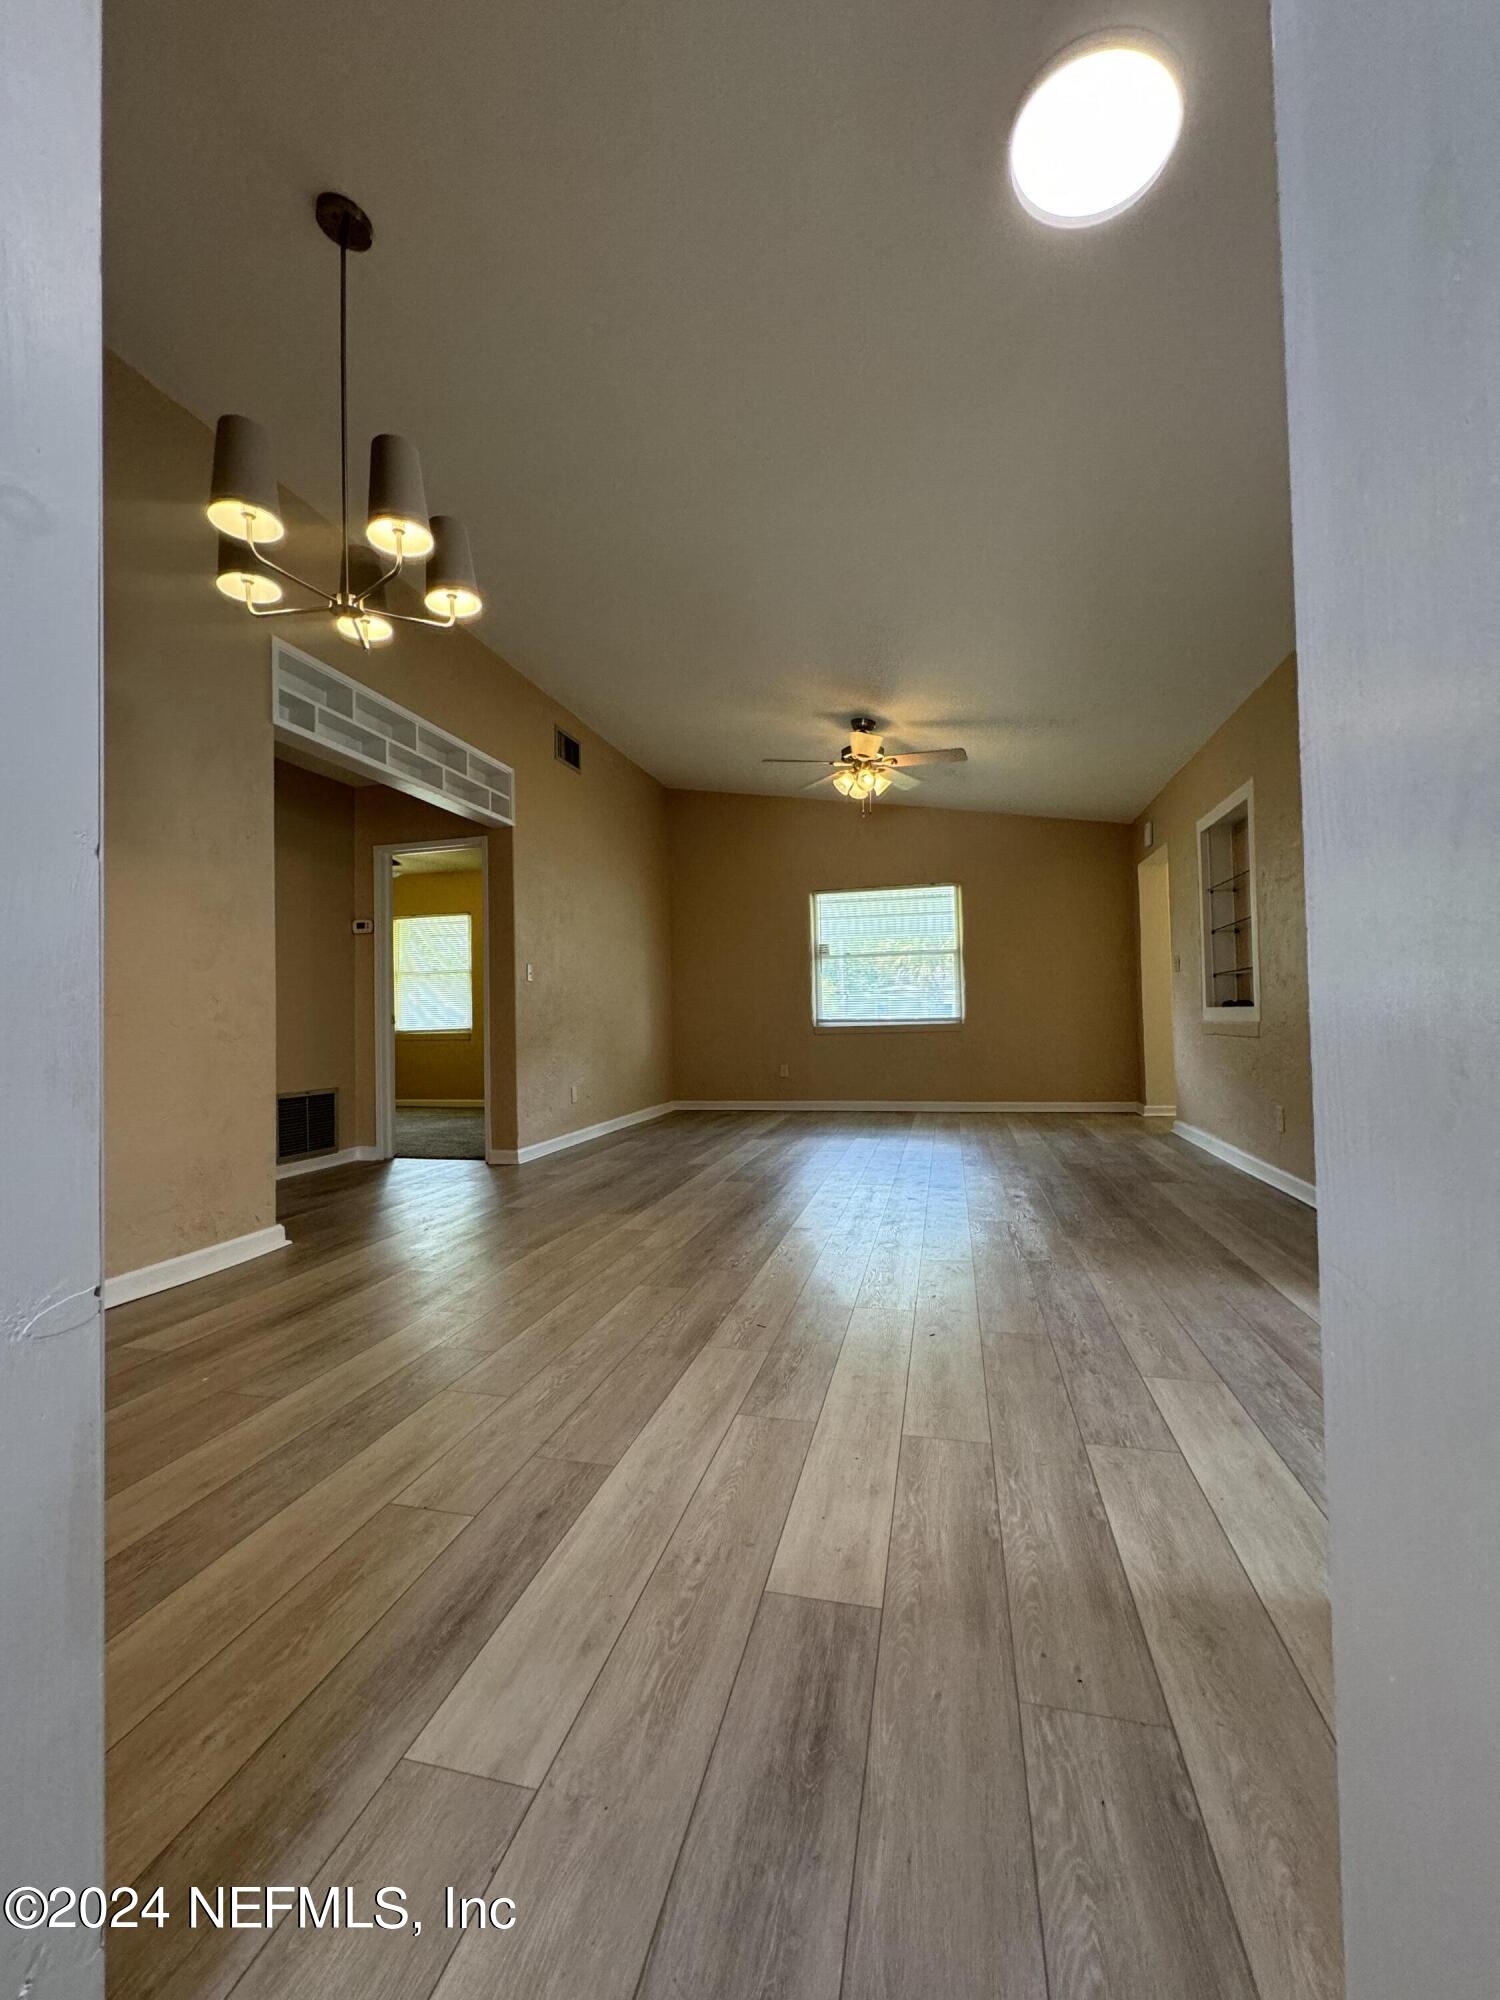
(244, 504)
(864, 769)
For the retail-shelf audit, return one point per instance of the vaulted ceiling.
(764, 400)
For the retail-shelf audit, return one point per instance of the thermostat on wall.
(363, 926)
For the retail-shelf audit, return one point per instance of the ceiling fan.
(864, 769)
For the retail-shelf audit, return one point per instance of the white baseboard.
(887, 1104)
(440, 1104)
(499, 1156)
(1261, 1170)
(192, 1264)
(348, 1156)
(1158, 1110)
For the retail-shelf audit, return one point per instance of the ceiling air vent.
(307, 1122)
(567, 749)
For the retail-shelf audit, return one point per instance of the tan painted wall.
(314, 942)
(430, 1068)
(1049, 953)
(1154, 887)
(1231, 1076)
(190, 860)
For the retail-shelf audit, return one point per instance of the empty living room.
(747, 1242)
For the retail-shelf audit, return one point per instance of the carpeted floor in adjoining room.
(427, 1132)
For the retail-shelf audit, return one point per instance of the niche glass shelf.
(1226, 873)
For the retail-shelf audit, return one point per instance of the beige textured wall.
(190, 860)
(431, 1068)
(189, 868)
(314, 941)
(1049, 953)
(1154, 887)
(1231, 1076)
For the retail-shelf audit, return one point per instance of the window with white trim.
(434, 966)
(887, 957)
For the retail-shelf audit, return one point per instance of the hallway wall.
(1385, 118)
(1232, 1075)
(51, 1329)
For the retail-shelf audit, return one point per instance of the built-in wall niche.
(1226, 874)
(362, 732)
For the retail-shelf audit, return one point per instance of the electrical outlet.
(1280, 1110)
(572, 1093)
(786, 1069)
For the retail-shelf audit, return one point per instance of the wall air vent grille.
(567, 749)
(307, 1122)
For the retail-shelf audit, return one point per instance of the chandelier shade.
(366, 621)
(364, 628)
(452, 590)
(242, 498)
(398, 522)
(245, 506)
(243, 576)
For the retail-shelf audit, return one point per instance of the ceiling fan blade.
(831, 763)
(813, 783)
(929, 757)
(902, 782)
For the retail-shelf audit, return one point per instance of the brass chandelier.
(245, 506)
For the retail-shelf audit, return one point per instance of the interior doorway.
(1154, 892)
(432, 1068)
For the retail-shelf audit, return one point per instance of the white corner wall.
(1387, 141)
(51, 1507)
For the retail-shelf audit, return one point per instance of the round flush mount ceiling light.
(1096, 129)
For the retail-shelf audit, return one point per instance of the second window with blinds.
(884, 958)
(434, 975)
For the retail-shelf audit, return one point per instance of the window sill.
(435, 1034)
(885, 1027)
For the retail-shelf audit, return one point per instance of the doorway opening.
(1154, 894)
(432, 1071)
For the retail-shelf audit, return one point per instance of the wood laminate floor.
(859, 1555)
